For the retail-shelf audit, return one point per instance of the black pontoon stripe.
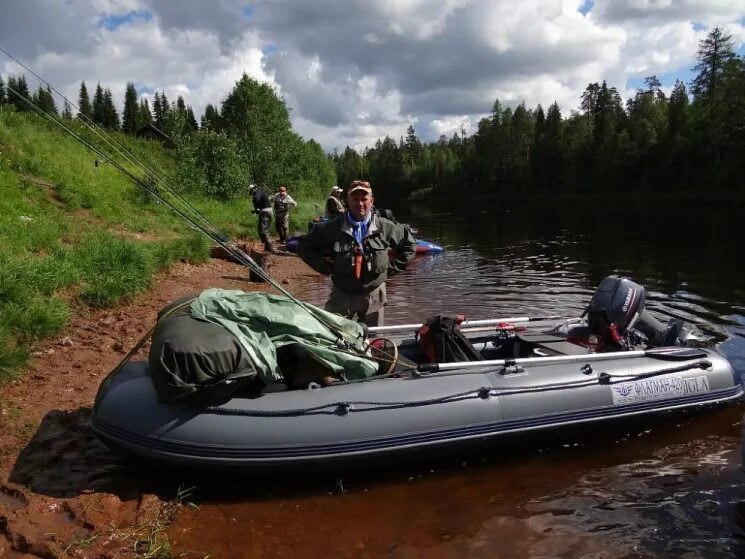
(391, 442)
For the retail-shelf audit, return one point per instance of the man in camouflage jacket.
(353, 250)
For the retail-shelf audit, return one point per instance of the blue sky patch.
(142, 89)
(667, 79)
(269, 49)
(248, 11)
(586, 7)
(114, 22)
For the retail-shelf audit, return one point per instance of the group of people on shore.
(351, 246)
(279, 205)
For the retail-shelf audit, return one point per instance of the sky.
(352, 71)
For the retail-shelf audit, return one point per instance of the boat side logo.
(658, 388)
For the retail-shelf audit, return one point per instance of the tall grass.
(73, 231)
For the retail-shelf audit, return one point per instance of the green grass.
(76, 233)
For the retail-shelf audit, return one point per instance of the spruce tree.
(84, 102)
(144, 116)
(157, 111)
(111, 118)
(2, 90)
(9, 90)
(45, 100)
(129, 115)
(165, 108)
(191, 121)
(99, 110)
(67, 111)
(715, 54)
(211, 118)
(22, 94)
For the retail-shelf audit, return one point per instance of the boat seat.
(554, 345)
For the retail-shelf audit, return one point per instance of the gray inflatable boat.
(517, 380)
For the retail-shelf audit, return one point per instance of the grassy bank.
(76, 235)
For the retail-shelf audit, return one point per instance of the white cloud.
(352, 71)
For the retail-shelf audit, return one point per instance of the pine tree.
(2, 91)
(412, 144)
(715, 55)
(44, 100)
(111, 118)
(9, 89)
(67, 111)
(99, 109)
(129, 115)
(144, 116)
(157, 111)
(211, 118)
(160, 110)
(191, 121)
(21, 94)
(165, 108)
(84, 103)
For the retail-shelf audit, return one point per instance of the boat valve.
(343, 408)
(484, 393)
(587, 369)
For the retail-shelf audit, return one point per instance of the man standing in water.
(282, 203)
(263, 209)
(358, 241)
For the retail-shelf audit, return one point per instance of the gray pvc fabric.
(263, 322)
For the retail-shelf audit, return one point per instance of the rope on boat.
(483, 393)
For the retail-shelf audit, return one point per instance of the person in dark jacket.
(353, 249)
(263, 209)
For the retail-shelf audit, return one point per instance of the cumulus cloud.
(352, 71)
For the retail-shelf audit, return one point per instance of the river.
(673, 488)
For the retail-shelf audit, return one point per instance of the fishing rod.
(205, 227)
(664, 353)
(469, 323)
(118, 148)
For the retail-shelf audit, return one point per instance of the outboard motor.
(617, 306)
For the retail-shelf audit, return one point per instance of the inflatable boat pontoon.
(521, 379)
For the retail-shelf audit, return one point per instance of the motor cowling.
(618, 305)
(615, 307)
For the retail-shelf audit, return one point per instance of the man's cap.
(252, 186)
(336, 189)
(360, 185)
(282, 189)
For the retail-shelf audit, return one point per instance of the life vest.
(281, 208)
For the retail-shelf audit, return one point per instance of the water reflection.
(670, 489)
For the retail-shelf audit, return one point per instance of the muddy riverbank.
(62, 492)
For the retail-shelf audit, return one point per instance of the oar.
(664, 353)
(467, 323)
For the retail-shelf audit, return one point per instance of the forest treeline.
(688, 143)
(247, 138)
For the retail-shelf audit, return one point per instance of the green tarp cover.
(263, 322)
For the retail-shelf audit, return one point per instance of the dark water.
(669, 489)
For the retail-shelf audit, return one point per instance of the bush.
(211, 164)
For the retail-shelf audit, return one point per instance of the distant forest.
(248, 138)
(690, 144)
